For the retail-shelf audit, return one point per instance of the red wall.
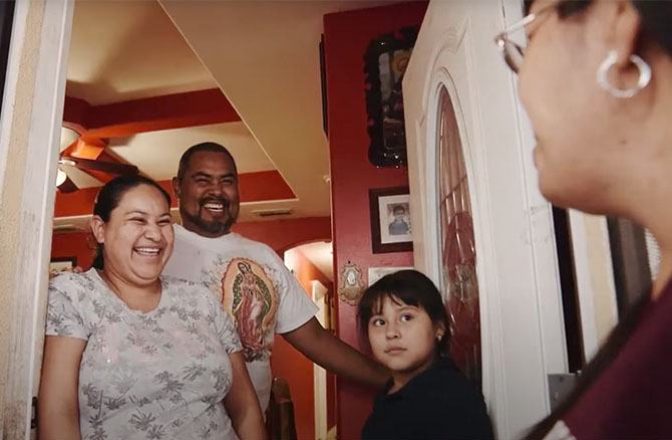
(297, 369)
(346, 38)
(74, 244)
(284, 234)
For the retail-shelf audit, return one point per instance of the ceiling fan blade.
(97, 165)
(81, 178)
(68, 186)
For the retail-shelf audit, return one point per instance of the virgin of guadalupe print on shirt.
(250, 296)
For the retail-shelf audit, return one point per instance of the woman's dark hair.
(108, 199)
(410, 287)
(655, 18)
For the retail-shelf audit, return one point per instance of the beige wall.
(600, 264)
(594, 279)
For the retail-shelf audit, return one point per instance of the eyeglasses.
(513, 52)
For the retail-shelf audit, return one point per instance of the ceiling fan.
(74, 170)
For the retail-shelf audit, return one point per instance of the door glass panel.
(458, 253)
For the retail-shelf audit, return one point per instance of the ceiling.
(127, 57)
(262, 55)
(128, 50)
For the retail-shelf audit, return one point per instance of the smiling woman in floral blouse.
(133, 355)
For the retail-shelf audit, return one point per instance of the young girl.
(404, 319)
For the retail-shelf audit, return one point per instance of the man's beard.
(214, 227)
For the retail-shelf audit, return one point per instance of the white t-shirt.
(161, 374)
(253, 284)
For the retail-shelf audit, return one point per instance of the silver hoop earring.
(609, 62)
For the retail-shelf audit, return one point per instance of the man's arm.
(241, 402)
(325, 349)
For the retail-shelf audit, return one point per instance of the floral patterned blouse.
(156, 375)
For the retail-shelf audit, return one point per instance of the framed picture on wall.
(385, 63)
(376, 273)
(391, 229)
(62, 264)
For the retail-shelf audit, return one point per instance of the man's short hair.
(211, 147)
(399, 208)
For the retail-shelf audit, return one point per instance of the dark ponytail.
(108, 199)
(98, 260)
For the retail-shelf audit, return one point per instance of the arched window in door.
(458, 252)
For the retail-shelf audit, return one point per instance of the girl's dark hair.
(410, 287)
(655, 18)
(108, 199)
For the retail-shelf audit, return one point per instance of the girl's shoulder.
(446, 382)
(457, 404)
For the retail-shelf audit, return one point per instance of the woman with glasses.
(596, 81)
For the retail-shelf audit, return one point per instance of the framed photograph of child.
(391, 229)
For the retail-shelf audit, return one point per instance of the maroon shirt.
(632, 398)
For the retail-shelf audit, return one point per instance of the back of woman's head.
(108, 199)
(410, 287)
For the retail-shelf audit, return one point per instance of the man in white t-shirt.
(249, 278)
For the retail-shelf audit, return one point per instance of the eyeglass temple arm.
(522, 23)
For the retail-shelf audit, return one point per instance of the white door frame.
(319, 296)
(521, 311)
(32, 112)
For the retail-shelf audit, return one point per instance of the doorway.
(312, 387)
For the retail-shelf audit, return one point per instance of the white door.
(522, 334)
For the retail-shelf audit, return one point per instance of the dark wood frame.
(323, 88)
(630, 259)
(379, 154)
(569, 290)
(377, 246)
(6, 22)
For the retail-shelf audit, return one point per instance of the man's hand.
(328, 351)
